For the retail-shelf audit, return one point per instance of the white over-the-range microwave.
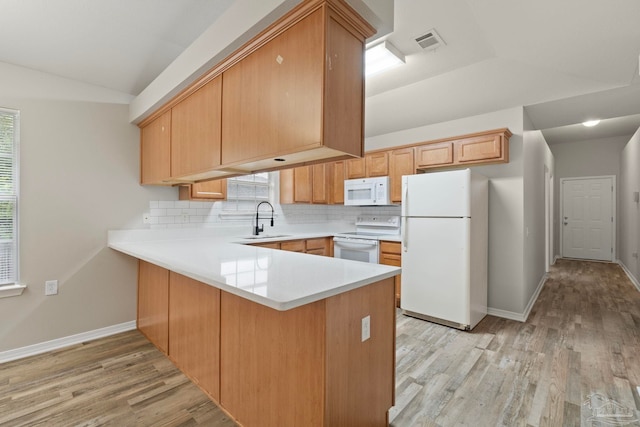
(367, 191)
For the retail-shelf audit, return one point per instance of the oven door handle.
(361, 244)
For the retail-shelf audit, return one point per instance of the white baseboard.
(511, 315)
(629, 275)
(43, 347)
(520, 317)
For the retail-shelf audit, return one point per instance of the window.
(244, 192)
(9, 137)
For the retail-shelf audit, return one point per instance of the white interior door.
(588, 218)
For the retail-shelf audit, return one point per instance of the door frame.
(548, 219)
(614, 227)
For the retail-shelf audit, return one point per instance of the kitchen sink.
(266, 236)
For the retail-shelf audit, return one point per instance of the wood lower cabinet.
(207, 190)
(153, 304)
(194, 331)
(318, 246)
(293, 246)
(155, 151)
(390, 254)
(308, 366)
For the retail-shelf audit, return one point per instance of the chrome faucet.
(258, 228)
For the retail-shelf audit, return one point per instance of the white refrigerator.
(444, 247)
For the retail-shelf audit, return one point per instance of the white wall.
(537, 157)
(506, 256)
(79, 166)
(595, 157)
(629, 211)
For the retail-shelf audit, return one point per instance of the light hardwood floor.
(579, 351)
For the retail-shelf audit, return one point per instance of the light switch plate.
(51, 287)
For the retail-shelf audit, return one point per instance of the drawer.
(320, 243)
(293, 246)
(320, 251)
(390, 247)
(390, 259)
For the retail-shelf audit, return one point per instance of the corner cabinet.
(155, 150)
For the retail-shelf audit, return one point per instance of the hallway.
(582, 339)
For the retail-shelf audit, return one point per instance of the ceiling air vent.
(430, 40)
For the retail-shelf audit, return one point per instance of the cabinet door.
(377, 164)
(321, 186)
(431, 155)
(318, 246)
(195, 131)
(390, 255)
(153, 304)
(209, 190)
(293, 246)
(277, 85)
(337, 183)
(355, 168)
(400, 163)
(155, 150)
(302, 184)
(486, 147)
(194, 331)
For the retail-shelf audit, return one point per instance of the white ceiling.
(499, 54)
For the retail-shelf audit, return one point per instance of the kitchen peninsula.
(273, 337)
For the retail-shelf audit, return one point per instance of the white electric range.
(363, 244)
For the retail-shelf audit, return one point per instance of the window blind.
(9, 132)
(244, 192)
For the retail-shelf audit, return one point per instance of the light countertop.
(278, 279)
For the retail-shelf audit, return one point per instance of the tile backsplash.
(192, 214)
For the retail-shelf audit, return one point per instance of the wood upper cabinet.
(155, 150)
(337, 183)
(432, 155)
(153, 304)
(288, 81)
(355, 168)
(306, 184)
(296, 185)
(377, 163)
(480, 149)
(194, 331)
(207, 190)
(195, 131)
(321, 183)
(401, 162)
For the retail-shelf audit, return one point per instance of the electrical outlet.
(146, 218)
(366, 328)
(51, 287)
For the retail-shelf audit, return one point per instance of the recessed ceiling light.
(590, 123)
(382, 57)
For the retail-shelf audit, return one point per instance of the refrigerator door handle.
(404, 238)
(405, 198)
